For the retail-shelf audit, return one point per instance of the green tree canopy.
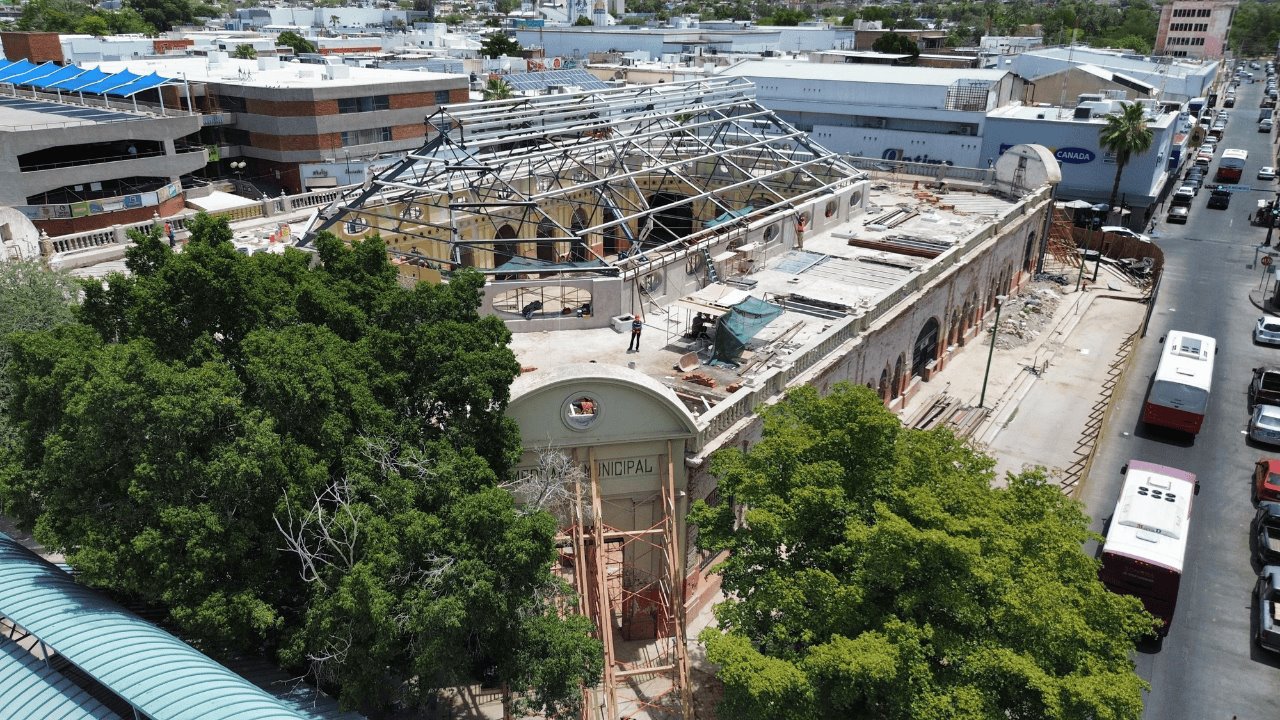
(299, 44)
(298, 457)
(1255, 30)
(583, 21)
(877, 574)
(893, 43)
(73, 16)
(244, 51)
(496, 89)
(1124, 134)
(166, 14)
(31, 298)
(498, 44)
(785, 17)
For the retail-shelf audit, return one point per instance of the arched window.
(898, 369)
(884, 385)
(926, 347)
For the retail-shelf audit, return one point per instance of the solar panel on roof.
(535, 81)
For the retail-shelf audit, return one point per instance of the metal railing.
(119, 234)
(933, 170)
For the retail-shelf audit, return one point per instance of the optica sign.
(1075, 156)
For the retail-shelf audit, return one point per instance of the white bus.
(1179, 394)
(1231, 166)
(1147, 538)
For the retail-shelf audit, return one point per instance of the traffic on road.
(1221, 657)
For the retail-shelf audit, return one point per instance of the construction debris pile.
(1023, 317)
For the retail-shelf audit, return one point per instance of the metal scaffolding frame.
(613, 592)
(654, 168)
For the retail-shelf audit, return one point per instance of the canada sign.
(1071, 155)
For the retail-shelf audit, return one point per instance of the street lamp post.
(991, 351)
(238, 166)
(1271, 219)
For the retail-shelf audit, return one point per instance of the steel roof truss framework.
(631, 158)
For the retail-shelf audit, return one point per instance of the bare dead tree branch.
(550, 484)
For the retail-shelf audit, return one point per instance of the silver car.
(1267, 331)
(1264, 426)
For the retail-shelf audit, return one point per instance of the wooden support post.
(675, 565)
(605, 622)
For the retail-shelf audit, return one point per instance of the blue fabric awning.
(143, 83)
(34, 73)
(110, 82)
(15, 69)
(66, 72)
(88, 77)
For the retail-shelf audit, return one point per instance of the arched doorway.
(670, 223)
(578, 251)
(504, 252)
(884, 384)
(926, 348)
(1029, 256)
(614, 238)
(953, 336)
(546, 248)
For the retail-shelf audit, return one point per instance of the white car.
(1120, 230)
(1267, 331)
(1264, 426)
(1267, 173)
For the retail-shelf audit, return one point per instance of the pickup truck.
(1267, 596)
(1266, 529)
(1219, 198)
(1265, 386)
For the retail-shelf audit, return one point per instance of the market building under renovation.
(756, 261)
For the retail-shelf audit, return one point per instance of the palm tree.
(497, 89)
(1125, 133)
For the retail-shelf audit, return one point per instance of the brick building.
(299, 126)
(1195, 28)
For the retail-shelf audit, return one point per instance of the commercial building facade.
(1195, 28)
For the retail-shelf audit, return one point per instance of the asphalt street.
(1208, 667)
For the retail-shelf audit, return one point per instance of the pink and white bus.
(1147, 539)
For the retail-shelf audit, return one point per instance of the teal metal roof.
(31, 691)
(153, 671)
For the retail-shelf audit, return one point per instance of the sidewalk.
(1040, 394)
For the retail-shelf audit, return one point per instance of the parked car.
(1267, 330)
(1266, 595)
(1126, 232)
(1266, 172)
(1265, 386)
(1264, 126)
(1264, 424)
(1229, 101)
(1183, 196)
(1178, 214)
(1194, 179)
(1265, 529)
(1266, 480)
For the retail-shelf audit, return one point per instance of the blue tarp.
(730, 215)
(735, 328)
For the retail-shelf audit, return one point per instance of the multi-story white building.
(1195, 28)
(932, 115)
